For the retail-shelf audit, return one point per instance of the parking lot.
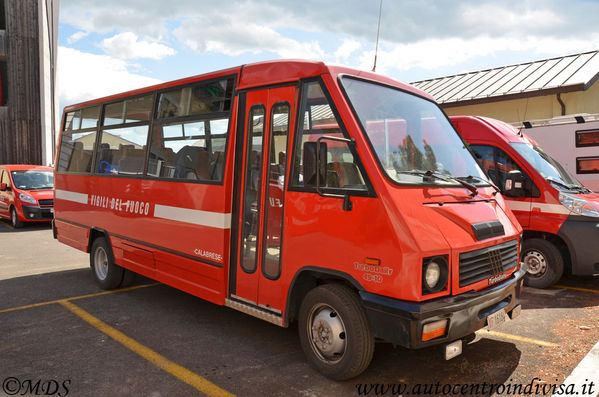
(57, 327)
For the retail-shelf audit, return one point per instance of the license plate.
(496, 319)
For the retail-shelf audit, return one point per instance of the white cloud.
(127, 45)
(437, 53)
(83, 76)
(224, 36)
(75, 37)
(346, 49)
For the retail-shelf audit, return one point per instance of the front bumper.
(581, 234)
(401, 322)
(31, 213)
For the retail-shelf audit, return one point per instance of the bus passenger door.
(259, 200)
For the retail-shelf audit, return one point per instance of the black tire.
(14, 219)
(107, 274)
(128, 278)
(332, 314)
(544, 263)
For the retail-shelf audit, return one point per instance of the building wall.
(534, 108)
(20, 120)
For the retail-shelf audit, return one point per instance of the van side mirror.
(310, 163)
(514, 184)
(3, 187)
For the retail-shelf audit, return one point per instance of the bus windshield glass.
(547, 166)
(413, 140)
(33, 180)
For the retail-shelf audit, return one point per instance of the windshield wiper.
(476, 178)
(581, 189)
(432, 174)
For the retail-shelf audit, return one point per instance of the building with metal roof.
(528, 91)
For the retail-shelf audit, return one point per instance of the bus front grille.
(487, 262)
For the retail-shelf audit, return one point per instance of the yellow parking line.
(517, 338)
(12, 309)
(7, 225)
(594, 291)
(192, 379)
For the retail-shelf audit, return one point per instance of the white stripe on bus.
(528, 206)
(197, 217)
(71, 196)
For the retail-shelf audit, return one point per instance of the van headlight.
(27, 199)
(578, 205)
(435, 272)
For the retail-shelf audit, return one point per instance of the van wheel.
(107, 274)
(14, 219)
(334, 332)
(544, 263)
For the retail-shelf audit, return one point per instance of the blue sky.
(111, 46)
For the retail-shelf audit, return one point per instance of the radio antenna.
(378, 31)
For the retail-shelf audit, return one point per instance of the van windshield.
(547, 166)
(33, 180)
(413, 140)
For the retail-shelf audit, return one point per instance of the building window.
(2, 16)
(587, 165)
(587, 138)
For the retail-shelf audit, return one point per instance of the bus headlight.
(435, 272)
(578, 205)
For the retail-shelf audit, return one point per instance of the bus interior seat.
(191, 162)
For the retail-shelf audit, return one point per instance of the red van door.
(260, 189)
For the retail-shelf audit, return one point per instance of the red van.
(560, 216)
(26, 193)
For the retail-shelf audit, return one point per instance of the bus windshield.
(33, 180)
(547, 166)
(413, 140)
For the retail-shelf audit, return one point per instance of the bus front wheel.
(544, 263)
(334, 332)
(107, 274)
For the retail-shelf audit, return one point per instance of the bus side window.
(342, 170)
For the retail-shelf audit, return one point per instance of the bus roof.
(260, 74)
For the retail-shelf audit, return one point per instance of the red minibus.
(298, 192)
(560, 216)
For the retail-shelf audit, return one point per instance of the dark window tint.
(587, 165)
(318, 120)
(252, 186)
(274, 200)
(128, 111)
(192, 150)
(122, 151)
(587, 138)
(497, 164)
(76, 149)
(197, 99)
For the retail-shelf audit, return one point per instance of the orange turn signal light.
(434, 330)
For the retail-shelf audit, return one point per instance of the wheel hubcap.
(327, 333)
(536, 263)
(101, 263)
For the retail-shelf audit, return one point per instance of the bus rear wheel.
(107, 274)
(544, 263)
(334, 332)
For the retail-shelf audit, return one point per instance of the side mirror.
(3, 187)
(311, 164)
(514, 184)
